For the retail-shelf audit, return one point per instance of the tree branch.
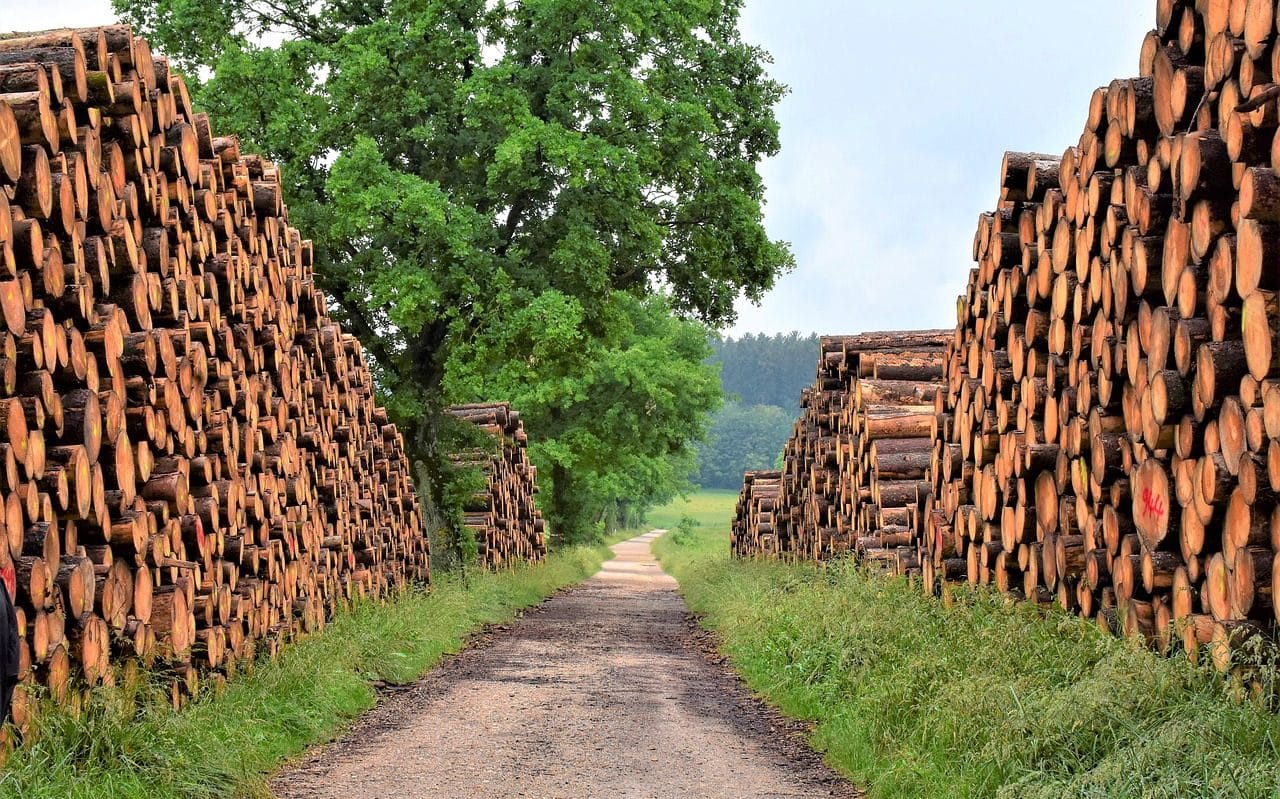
(306, 27)
(359, 322)
(512, 224)
(357, 316)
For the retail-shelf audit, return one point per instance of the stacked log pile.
(855, 465)
(1110, 432)
(754, 530)
(506, 522)
(192, 464)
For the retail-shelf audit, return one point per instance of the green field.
(226, 743)
(976, 697)
(708, 508)
(711, 509)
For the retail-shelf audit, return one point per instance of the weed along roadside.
(975, 696)
(226, 743)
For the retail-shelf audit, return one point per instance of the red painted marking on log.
(1153, 504)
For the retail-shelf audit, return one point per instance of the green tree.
(742, 437)
(760, 369)
(458, 160)
(615, 413)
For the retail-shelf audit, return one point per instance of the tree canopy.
(462, 164)
(645, 379)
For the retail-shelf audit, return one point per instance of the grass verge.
(913, 697)
(226, 743)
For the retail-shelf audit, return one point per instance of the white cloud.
(26, 15)
(855, 267)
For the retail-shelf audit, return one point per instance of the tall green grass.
(976, 697)
(225, 744)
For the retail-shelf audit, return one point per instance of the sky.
(893, 133)
(892, 136)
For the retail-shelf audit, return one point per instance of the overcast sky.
(892, 135)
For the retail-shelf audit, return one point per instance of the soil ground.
(606, 690)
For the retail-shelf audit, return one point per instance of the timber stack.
(192, 465)
(1108, 434)
(502, 515)
(755, 523)
(1109, 437)
(855, 468)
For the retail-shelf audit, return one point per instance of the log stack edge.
(192, 464)
(507, 524)
(1106, 429)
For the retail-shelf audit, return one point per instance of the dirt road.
(605, 691)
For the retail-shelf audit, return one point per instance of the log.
(859, 460)
(192, 461)
(506, 522)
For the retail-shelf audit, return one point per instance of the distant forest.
(767, 370)
(762, 377)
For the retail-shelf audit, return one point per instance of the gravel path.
(604, 691)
